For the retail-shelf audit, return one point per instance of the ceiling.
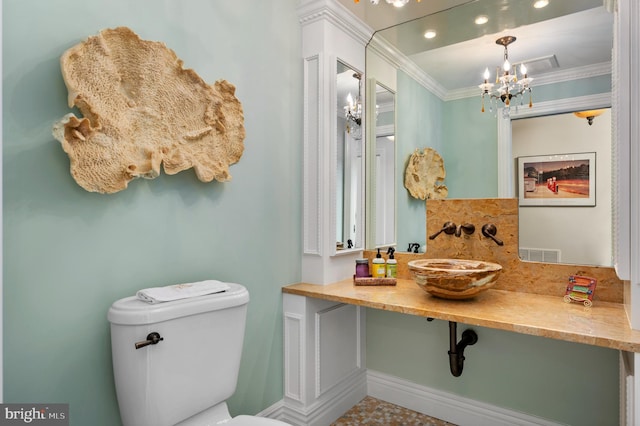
(569, 34)
(384, 15)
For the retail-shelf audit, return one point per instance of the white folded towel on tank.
(181, 291)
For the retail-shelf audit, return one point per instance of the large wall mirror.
(566, 47)
(384, 167)
(349, 160)
(554, 226)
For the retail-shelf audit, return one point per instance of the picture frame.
(557, 180)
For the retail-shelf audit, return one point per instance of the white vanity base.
(324, 351)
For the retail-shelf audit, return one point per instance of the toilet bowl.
(176, 363)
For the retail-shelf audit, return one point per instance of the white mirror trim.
(312, 232)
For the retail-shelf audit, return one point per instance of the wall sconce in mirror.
(508, 84)
(589, 115)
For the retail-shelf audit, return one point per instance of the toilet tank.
(193, 368)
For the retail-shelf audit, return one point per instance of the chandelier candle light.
(509, 86)
(353, 109)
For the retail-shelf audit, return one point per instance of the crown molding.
(561, 106)
(311, 11)
(576, 73)
(571, 74)
(399, 60)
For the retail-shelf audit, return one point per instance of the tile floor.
(372, 411)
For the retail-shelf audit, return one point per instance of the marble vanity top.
(605, 324)
(527, 297)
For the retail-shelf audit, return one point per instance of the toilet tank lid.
(133, 311)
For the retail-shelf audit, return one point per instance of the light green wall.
(570, 89)
(564, 382)
(68, 253)
(568, 383)
(470, 149)
(419, 117)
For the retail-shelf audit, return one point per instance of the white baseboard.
(275, 411)
(442, 405)
(328, 408)
(445, 406)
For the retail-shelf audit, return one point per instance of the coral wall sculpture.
(141, 109)
(424, 175)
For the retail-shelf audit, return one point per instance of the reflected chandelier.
(353, 109)
(507, 82)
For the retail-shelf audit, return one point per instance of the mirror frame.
(371, 131)
(359, 244)
(381, 131)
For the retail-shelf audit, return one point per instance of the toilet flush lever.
(152, 339)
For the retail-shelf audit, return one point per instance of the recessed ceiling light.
(539, 4)
(398, 3)
(481, 20)
(430, 34)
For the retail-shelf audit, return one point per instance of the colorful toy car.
(580, 289)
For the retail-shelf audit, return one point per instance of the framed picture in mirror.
(557, 180)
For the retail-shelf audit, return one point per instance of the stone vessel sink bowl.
(454, 278)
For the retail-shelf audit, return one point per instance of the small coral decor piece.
(580, 289)
(141, 110)
(424, 175)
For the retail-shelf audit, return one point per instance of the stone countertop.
(605, 324)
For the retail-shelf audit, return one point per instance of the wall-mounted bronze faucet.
(448, 228)
(489, 230)
(468, 229)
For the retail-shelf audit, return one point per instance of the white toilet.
(186, 376)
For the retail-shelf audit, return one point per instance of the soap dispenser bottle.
(392, 264)
(379, 269)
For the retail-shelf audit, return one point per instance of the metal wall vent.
(540, 255)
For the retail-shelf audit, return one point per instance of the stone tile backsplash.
(517, 275)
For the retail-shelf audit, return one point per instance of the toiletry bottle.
(392, 264)
(362, 268)
(379, 269)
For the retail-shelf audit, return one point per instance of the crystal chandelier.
(507, 82)
(396, 3)
(353, 110)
